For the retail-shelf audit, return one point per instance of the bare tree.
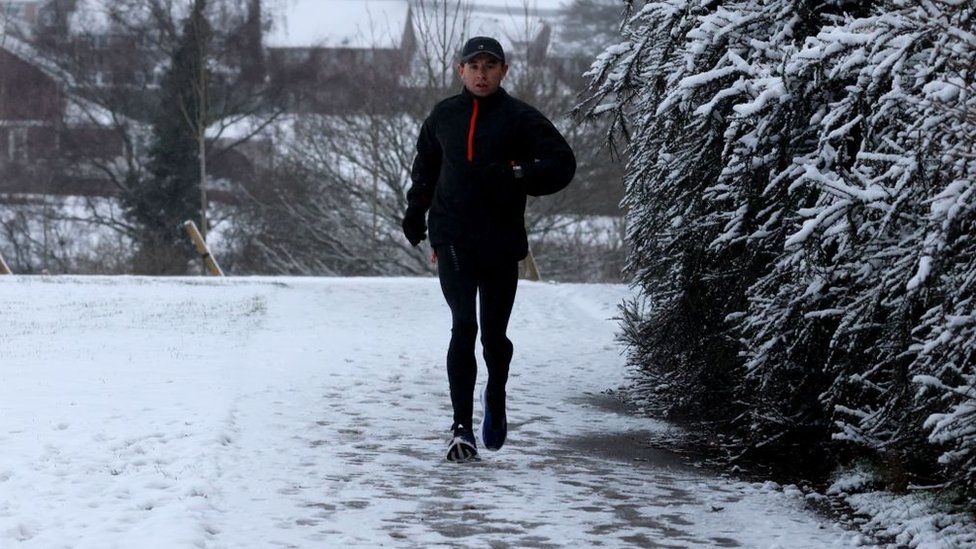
(576, 234)
(338, 197)
(341, 180)
(441, 26)
(113, 58)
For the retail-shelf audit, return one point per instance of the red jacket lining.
(474, 118)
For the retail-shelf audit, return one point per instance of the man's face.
(483, 74)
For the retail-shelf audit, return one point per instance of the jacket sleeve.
(550, 164)
(426, 170)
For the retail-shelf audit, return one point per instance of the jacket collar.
(492, 99)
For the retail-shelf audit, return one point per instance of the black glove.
(414, 227)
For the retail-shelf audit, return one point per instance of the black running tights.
(465, 277)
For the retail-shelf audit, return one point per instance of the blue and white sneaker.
(494, 427)
(462, 446)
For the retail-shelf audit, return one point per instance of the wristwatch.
(517, 170)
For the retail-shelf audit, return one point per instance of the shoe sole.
(461, 451)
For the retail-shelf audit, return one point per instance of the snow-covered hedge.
(802, 196)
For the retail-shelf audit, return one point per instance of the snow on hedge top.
(336, 23)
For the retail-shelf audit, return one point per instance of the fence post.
(531, 267)
(202, 249)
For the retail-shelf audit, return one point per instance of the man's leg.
(459, 283)
(497, 287)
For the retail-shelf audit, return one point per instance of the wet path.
(365, 441)
(314, 413)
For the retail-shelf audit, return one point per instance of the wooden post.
(531, 267)
(202, 249)
(4, 269)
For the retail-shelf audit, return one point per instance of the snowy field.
(140, 412)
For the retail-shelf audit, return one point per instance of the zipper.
(454, 258)
(471, 124)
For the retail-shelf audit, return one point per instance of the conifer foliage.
(801, 215)
(170, 193)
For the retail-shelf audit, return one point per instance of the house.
(44, 126)
(28, 129)
(336, 56)
(523, 26)
(331, 57)
(52, 139)
(339, 55)
(22, 10)
(30, 105)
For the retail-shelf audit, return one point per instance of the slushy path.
(314, 413)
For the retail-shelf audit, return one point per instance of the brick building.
(338, 59)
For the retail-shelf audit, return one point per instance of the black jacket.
(461, 137)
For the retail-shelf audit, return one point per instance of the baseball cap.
(479, 45)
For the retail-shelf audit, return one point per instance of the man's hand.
(414, 227)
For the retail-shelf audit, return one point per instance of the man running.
(479, 154)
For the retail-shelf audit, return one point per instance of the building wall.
(26, 93)
(336, 80)
(24, 10)
(35, 142)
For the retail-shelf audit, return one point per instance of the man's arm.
(426, 169)
(551, 164)
(424, 174)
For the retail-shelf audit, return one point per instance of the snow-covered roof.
(336, 23)
(82, 112)
(11, 24)
(29, 54)
(381, 23)
(101, 16)
(237, 128)
(509, 28)
(25, 10)
(88, 16)
(535, 7)
(513, 22)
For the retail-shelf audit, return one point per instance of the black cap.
(481, 44)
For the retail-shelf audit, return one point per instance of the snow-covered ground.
(140, 412)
